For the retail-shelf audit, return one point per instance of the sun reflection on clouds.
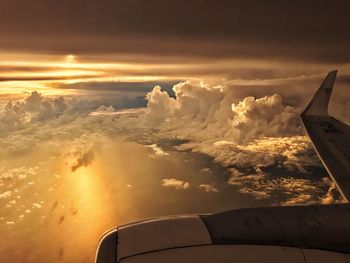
(81, 211)
(86, 190)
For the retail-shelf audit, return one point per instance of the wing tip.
(319, 102)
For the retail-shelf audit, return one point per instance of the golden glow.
(53, 74)
(88, 216)
(70, 59)
(48, 73)
(21, 89)
(86, 188)
(20, 74)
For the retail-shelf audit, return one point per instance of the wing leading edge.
(330, 137)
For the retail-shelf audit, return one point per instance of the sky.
(115, 111)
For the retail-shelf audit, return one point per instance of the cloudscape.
(116, 111)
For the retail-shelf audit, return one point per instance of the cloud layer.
(66, 162)
(249, 134)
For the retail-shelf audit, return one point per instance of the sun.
(70, 59)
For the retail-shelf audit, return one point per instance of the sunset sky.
(119, 110)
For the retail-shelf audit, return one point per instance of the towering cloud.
(16, 115)
(213, 114)
(160, 105)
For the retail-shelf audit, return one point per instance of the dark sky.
(308, 30)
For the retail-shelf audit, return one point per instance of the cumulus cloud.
(213, 113)
(36, 205)
(264, 117)
(5, 195)
(288, 190)
(103, 110)
(19, 173)
(13, 117)
(160, 105)
(11, 179)
(175, 183)
(17, 115)
(208, 188)
(293, 153)
(158, 152)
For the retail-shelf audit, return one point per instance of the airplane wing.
(329, 136)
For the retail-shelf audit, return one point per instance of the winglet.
(319, 103)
